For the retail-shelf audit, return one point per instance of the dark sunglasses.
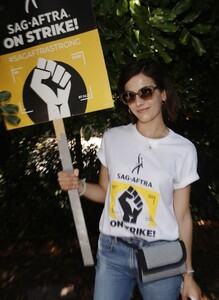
(144, 93)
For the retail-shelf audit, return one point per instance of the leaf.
(201, 28)
(4, 95)
(133, 4)
(158, 48)
(9, 108)
(166, 27)
(117, 54)
(121, 8)
(182, 7)
(197, 45)
(184, 37)
(141, 16)
(165, 42)
(192, 16)
(140, 12)
(163, 15)
(130, 43)
(14, 120)
(87, 132)
(137, 34)
(107, 5)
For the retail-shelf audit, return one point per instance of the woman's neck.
(153, 131)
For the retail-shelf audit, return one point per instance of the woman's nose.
(139, 101)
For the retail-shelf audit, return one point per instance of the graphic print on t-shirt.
(139, 164)
(131, 208)
(130, 200)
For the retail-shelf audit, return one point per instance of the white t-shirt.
(139, 199)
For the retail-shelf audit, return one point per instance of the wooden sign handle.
(73, 194)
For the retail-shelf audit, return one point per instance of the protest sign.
(51, 60)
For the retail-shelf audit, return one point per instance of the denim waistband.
(135, 242)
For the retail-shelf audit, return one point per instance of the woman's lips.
(142, 110)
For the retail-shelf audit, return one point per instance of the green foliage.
(8, 111)
(136, 29)
(4, 96)
(182, 6)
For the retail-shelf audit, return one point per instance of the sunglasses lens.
(146, 93)
(128, 97)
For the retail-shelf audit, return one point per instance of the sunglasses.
(145, 93)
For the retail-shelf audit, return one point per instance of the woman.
(145, 181)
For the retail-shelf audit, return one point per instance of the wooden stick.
(73, 194)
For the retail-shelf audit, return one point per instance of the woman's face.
(145, 110)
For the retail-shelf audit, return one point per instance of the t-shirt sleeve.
(187, 172)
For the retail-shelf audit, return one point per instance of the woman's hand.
(92, 191)
(69, 181)
(190, 288)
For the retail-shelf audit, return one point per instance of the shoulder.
(115, 139)
(118, 131)
(181, 141)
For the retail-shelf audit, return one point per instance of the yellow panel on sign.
(58, 79)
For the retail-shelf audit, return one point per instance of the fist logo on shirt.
(131, 204)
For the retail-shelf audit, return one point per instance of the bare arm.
(94, 191)
(184, 220)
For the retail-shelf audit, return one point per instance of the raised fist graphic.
(131, 204)
(52, 83)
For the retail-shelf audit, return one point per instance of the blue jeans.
(117, 273)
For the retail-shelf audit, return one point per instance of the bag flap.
(163, 256)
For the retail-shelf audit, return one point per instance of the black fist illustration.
(131, 204)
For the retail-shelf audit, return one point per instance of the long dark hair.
(155, 71)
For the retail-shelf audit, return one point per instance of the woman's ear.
(163, 96)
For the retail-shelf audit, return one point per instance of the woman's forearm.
(185, 234)
(92, 191)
